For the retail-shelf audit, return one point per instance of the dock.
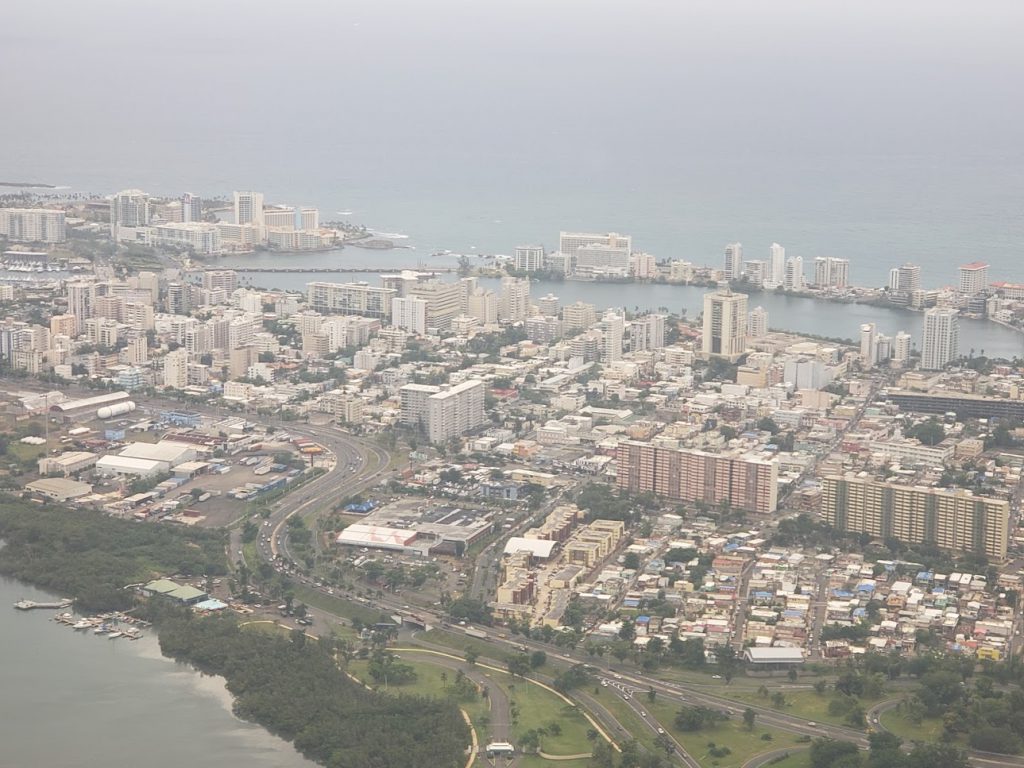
(30, 605)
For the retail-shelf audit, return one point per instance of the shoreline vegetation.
(27, 184)
(291, 685)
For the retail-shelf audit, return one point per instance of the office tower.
(32, 225)
(529, 258)
(867, 344)
(613, 326)
(410, 314)
(949, 518)
(220, 280)
(570, 242)
(775, 274)
(549, 305)
(129, 208)
(579, 316)
(725, 324)
(350, 299)
(905, 278)
(941, 343)
(249, 208)
(794, 279)
(973, 278)
(742, 481)
(191, 207)
(514, 305)
(176, 369)
(901, 348)
(830, 272)
(647, 332)
(733, 261)
(757, 326)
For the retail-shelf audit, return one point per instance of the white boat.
(101, 630)
(114, 635)
(82, 624)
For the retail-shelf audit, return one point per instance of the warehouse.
(165, 451)
(538, 548)
(376, 537)
(131, 467)
(777, 657)
(68, 463)
(59, 489)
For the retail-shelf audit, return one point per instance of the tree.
(727, 660)
(749, 716)
(990, 739)
(518, 665)
(538, 659)
(829, 753)
(631, 560)
(471, 656)
(628, 630)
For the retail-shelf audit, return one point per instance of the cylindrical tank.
(117, 409)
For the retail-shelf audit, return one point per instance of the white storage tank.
(117, 409)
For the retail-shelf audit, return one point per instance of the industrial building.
(59, 489)
(376, 537)
(67, 464)
(86, 407)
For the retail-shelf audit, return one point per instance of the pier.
(29, 605)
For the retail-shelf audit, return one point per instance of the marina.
(111, 625)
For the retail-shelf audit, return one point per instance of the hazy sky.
(908, 105)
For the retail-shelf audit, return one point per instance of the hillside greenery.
(293, 687)
(91, 557)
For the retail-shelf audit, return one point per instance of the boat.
(102, 629)
(115, 634)
(82, 624)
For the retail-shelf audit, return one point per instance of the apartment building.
(350, 299)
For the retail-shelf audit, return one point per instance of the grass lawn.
(799, 703)
(538, 708)
(333, 604)
(800, 759)
(733, 734)
(533, 761)
(25, 452)
(460, 643)
(929, 729)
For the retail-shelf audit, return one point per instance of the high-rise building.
(514, 305)
(579, 316)
(176, 369)
(543, 329)
(643, 266)
(725, 324)
(249, 208)
(129, 208)
(81, 297)
(549, 305)
(32, 225)
(197, 236)
(941, 342)
(220, 280)
(570, 242)
(973, 278)
(950, 518)
(901, 348)
(350, 299)
(179, 298)
(830, 272)
(191, 207)
(794, 278)
(868, 332)
(410, 314)
(757, 325)
(597, 258)
(905, 278)
(529, 258)
(647, 332)
(775, 272)
(443, 413)
(64, 325)
(754, 271)
(741, 481)
(733, 261)
(613, 327)
(444, 301)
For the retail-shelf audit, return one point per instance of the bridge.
(336, 270)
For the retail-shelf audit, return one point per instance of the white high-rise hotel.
(733, 261)
(775, 271)
(249, 208)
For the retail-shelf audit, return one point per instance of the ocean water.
(77, 700)
(874, 131)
